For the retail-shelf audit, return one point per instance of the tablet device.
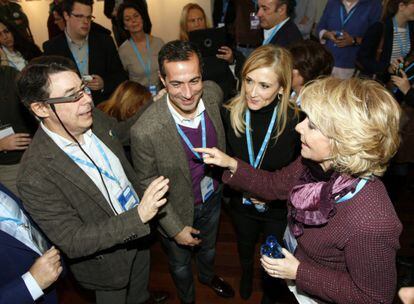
(208, 41)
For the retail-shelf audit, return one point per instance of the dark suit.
(103, 60)
(16, 259)
(287, 35)
(157, 149)
(74, 214)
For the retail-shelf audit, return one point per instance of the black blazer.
(287, 35)
(103, 60)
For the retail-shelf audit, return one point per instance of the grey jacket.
(157, 150)
(74, 214)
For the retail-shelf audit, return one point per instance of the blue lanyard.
(275, 30)
(82, 65)
(350, 195)
(90, 165)
(343, 19)
(187, 140)
(4, 219)
(225, 7)
(253, 162)
(403, 51)
(147, 67)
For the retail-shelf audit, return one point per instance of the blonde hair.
(184, 16)
(126, 100)
(278, 59)
(360, 117)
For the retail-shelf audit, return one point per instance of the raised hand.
(213, 156)
(153, 199)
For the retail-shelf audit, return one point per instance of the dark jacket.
(103, 60)
(287, 35)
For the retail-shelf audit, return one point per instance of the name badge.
(290, 241)
(127, 198)
(254, 21)
(207, 188)
(221, 24)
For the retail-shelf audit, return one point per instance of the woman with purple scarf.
(343, 231)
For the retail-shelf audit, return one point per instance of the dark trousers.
(137, 290)
(249, 225)
(206, 219)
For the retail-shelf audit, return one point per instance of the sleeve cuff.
(35, 291)
(322, 41)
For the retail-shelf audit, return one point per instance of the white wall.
(165, 16)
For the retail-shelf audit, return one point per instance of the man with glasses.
(78, 186)
(94, 53)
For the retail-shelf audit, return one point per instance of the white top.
(186, 122)
(90, 144)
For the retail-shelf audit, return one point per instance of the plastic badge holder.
(271, 248)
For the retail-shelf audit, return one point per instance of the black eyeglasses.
(81, 17)
(66, 99)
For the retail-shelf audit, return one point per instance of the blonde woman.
(260, 129)
(216, 68)
(343, 231)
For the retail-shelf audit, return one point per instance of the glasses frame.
(81, 17)
(69, 99)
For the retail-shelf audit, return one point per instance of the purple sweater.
(197, 168)
(351, 259)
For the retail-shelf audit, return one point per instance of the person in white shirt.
(77, 184)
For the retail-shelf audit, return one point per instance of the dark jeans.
(249, 225)
(206, 219)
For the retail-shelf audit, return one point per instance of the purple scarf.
(312, 201)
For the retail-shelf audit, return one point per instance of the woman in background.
(16, 50)
(139, 53)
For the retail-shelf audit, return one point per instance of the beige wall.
(165, 16)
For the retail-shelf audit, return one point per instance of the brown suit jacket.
(157, 150)
(75, 215)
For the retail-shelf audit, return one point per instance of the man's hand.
(18, 141)
(401, 82)
(153, 199)
(47, 268)
(96, 83)
(344, 41)
(184, 237)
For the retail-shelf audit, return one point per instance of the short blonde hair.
(280, 60)
(360, 117)
(184, 16)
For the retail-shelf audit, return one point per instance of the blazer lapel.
(214, 114)
(58, 161)
(9, 241)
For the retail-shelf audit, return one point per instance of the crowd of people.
(291, 123)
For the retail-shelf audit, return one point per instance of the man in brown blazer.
(78, 186)
(161, 140)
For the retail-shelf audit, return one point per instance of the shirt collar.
(178, 117)
(268, 32)
(72, 42)
(60, 140)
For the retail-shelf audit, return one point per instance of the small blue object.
(153, 90)
(339, 34)
(271, 248)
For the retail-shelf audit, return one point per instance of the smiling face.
(261, 87)
(195, 20)
(315, 145)
(132, 20)
(6, 37)
(184, 84)
(76, 116)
